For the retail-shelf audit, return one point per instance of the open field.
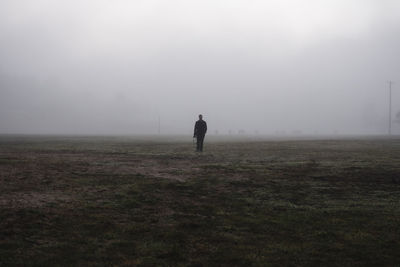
(125, 201)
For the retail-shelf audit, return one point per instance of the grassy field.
(84, 201)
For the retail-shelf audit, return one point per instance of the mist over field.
(266, 67)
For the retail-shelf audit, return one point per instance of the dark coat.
(200, 128)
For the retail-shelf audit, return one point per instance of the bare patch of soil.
(33, 199)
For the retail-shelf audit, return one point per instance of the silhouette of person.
(200, 129)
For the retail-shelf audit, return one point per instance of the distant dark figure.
(200, 129)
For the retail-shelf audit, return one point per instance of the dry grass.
(121, 201)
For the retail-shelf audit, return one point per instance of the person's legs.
(201, 143)
(198, 143)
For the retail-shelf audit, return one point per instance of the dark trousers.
(200, 140)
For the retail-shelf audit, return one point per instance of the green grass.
(124, 201)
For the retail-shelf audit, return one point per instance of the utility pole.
(390, 107)
(159, 124)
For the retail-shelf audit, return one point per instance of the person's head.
(200, 117)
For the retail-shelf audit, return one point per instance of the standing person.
(200, 129)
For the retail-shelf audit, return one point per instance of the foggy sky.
(116, 67)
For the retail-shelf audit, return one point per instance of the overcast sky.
(116, 67)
